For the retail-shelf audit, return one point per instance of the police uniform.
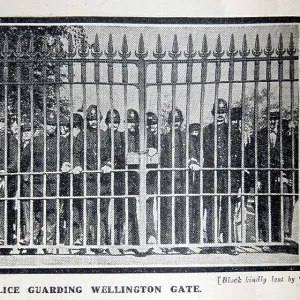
(222, 176)
(152, 181)
(25, 186)
(118, 162)
(179, 183)
(194, 182)
(50, 163)
(133, 178)
(262, 158)
(90, 137)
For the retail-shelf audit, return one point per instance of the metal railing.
(185, 206)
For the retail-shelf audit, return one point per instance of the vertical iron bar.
(244, 53)
(204, 54)
(141, 64)
(256, 52)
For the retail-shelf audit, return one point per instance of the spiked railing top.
(245, 51)
(141, 53)
(204, 50)
(232, 52)
(31, 46)
(218, 52)
(280, 50)
(159, 51)
(257, 51)
(175, 53)
(110, 53)
(190, 53)
(96, 52)
(71, 49)
(5, 51)
(59, 51)
(124, 53)
(19, 52)
(269, 50)
(291, 50)
(83, 51)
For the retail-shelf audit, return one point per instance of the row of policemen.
(96, 153)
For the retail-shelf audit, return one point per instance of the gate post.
(141, 65)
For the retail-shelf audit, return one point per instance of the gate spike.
(175, 48)
(291, 49)
(159, 45)
(204, 44)
(19, 47)
(269, 51)
(45, 46)
(124, 53)
(110, 47)
(83, 50)
(175, 53)
(232, 51)
(96, 52)
(96, 44)
(204, 50)
(141, 48)
(280, 50)
(31, 45)
(232, 46)
(218, 51)
(257, 51)
(5, 46)
(70, 44)
(245, 51)
(124, 44)
(159, 50)
(190, 48)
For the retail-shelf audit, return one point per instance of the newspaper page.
(149, 158)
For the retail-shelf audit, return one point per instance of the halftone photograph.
(132, 145)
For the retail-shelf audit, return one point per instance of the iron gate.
(186, 198)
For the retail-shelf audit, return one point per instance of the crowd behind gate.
(216, 171)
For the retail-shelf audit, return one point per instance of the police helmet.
(51, 118)
(132, 116)
(115, 117)
(91, 113)
(178, 116)
(64, 120)
(77, 121)
(194, 127)
(151, 118)
(25, 126)
(236, 113)
(274, 114)
(222, 107)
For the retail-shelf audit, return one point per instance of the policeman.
(236, 175)
(113, 149)
(78, 178)
(49, 164)
(152, 178)
(92, 164)
(178, 177)
(13, 144)
(269, 137)
(133, 177)
(220, 185)
(194, 181)
(65, 167)
(25, 181)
